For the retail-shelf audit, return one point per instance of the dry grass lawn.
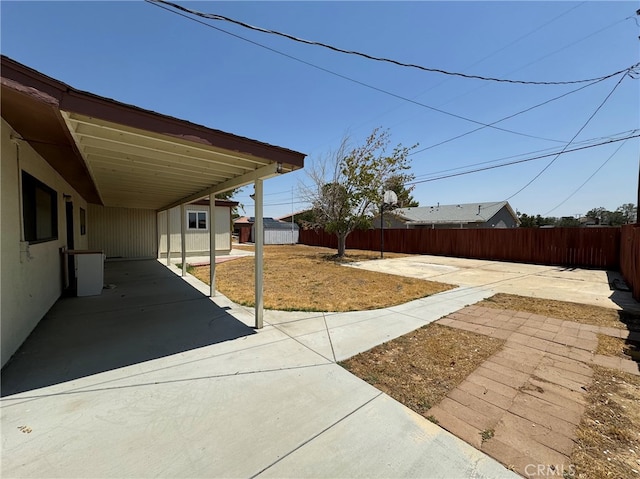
(580, 313)
(608, 438)
(621, 348)
(420, 368)
(306, 278)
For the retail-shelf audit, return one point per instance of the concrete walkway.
(523, 404)
(153, 379)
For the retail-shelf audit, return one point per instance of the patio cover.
(116, 154)
(119, 155)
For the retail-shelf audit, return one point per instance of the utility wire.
(495, 52)
(519, 161)
(358, 82)
(503, 119)
(551, 153)
(528, 34)
(574, 136)
(213, 16)
(539, 59)
(589, 144)
(634, 134)
(587, 180)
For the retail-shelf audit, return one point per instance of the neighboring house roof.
(288, 217)
(115, 154)
(457, 214)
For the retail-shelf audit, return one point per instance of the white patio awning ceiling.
(123, 156)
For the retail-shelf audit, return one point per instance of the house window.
(83, 221)
(39, 210)
(197, 220)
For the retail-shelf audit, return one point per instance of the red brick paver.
(523, 404)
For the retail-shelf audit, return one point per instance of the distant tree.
(546, 221)
(624, 214)
(347, 186)
(629, 213)
(615, 218)
(228, 195)
(568, 222)
(396, 184)
(527, 221)
(305, 219)
(599, 214)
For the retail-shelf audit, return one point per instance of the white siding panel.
(197, 241)
(279, 236)
(122, 232)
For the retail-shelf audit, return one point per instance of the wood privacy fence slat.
(572, 247)
(630, 257)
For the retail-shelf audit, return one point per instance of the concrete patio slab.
(158, 380)
(410, 445)
(550, 282)
(220, 427)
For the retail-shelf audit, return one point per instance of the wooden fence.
(630, 257)
(572, 247)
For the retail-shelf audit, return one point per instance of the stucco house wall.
(31, 274)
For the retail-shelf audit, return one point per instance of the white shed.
(277, 232)
(197, 232)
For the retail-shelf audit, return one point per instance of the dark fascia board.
(205, 202)
(35, 116)
(76, 101)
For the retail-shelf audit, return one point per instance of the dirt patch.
(420, 368)
(608, 438)
(305, 278)
(579, 313)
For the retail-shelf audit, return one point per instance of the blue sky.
(138, 53)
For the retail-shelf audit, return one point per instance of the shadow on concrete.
(622, 296)
(629, 314)
(147, 312)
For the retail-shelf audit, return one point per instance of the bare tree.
(347, 185)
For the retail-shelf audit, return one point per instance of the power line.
(528, 34)
(589, 144)
(213, 16)
(539, 59)
(588, 179)
(634, 134)
(288, 203)
(574, 136)
(519, 161)
(358, 82)
(503, 119)
(531, 32)
(587, 141)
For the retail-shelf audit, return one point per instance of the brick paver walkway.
(523, 404)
